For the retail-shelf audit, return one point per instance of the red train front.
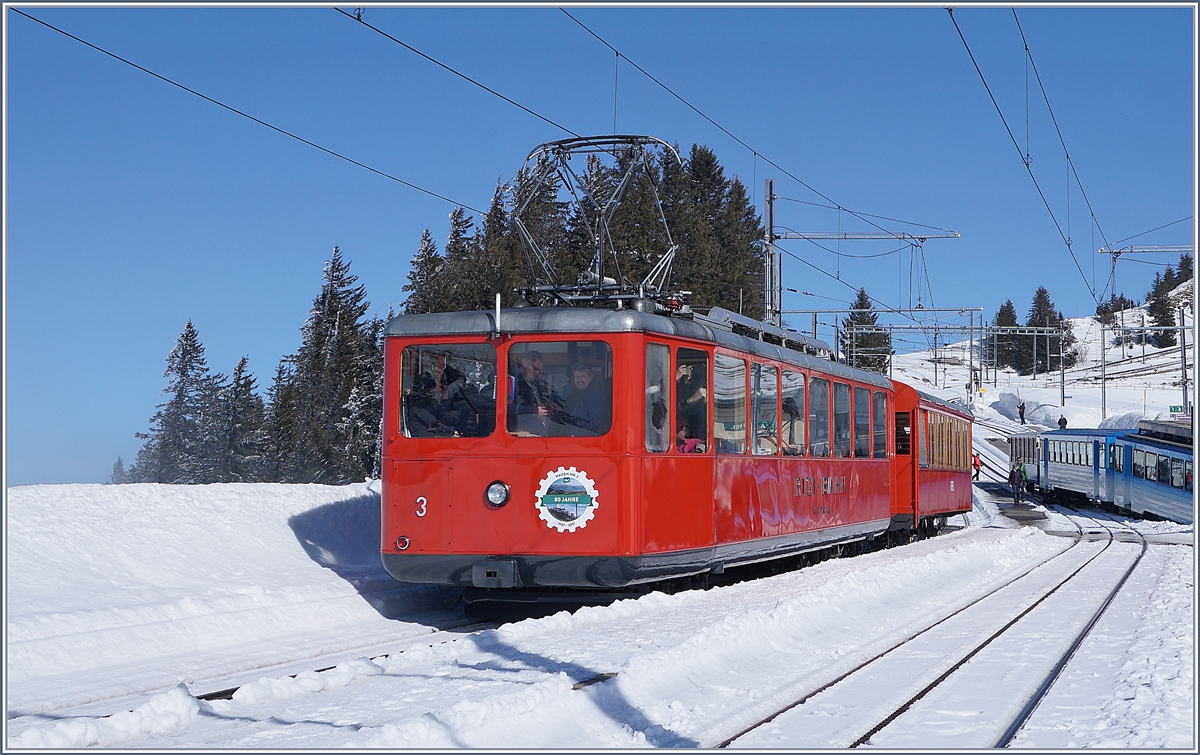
(590, 448)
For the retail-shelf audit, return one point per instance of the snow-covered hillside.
(1141, 381)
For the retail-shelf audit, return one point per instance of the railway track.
(224, 687)
(943, 664)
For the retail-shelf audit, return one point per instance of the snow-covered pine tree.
(280, 460)
(243, 437)
(1162, 312)
(179, 447)
(866, 351)
(1185, 268)
(464, 289)
(501, 261)
(426, 284)
(328, 366)
(1042, 314)
(119, 475)
(1009, 348)
(361, 427)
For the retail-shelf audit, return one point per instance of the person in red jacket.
(977, 464)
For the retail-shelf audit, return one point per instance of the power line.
(1152, 230)
(828, 274)
(248, 116)
(844, 254)
(756, 153)
(1054, 120)
(861, 216)
(459, 74)
(1066, 241)
(864, 214)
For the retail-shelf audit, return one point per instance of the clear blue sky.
(132, 206)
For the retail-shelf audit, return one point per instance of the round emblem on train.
(567, 499)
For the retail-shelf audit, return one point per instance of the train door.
(769, 491)
(1120, 460)
(677, 478)
(734, 488)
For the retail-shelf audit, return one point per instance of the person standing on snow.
(977, 463)
(1021, 411)
(1016, 480)
(1062, 422)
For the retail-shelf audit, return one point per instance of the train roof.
(942, 403)
(1166, 430)
(717, 326)
(1090, 432)
(1158, 433)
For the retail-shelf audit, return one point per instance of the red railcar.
(588, 448)
(933, 461)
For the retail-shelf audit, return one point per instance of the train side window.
(1139, 463)
(559, 389)
(818, 416)
(1177, 473)
(765, 389)
(658, 398)
(1116, 459)
(1151, 467)
(729, 405)
(1088, 460)
(862, 422)
(841, 420)
(880, 424)
(793, 414)
(448, 390)
(922, 425)
(1103, 457)
(903, 433)
(691, 400)
(1187, 476)
(1164, 469)
(939, 441)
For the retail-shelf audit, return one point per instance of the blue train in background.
(1146, 472)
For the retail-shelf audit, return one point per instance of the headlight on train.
(497, 494)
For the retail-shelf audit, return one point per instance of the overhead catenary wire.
(847, 284)
(246, 115)
(1152, 230)
(1054, 120)
(756, 155)
(864, 214)
(463, 76)
(724, 130)
(1091, 289)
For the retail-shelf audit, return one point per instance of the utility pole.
(1103, 383)
(772, 295)
(1183, 362)
(1062, 368)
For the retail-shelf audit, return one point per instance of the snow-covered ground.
(125, 602)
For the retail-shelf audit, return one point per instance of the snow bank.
(306, 682)
(163, 714)
(114, 589)
(1127, 421)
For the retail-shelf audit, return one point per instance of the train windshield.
(559, 388)
(448, 390)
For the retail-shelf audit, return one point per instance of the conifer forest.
(319, 419)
